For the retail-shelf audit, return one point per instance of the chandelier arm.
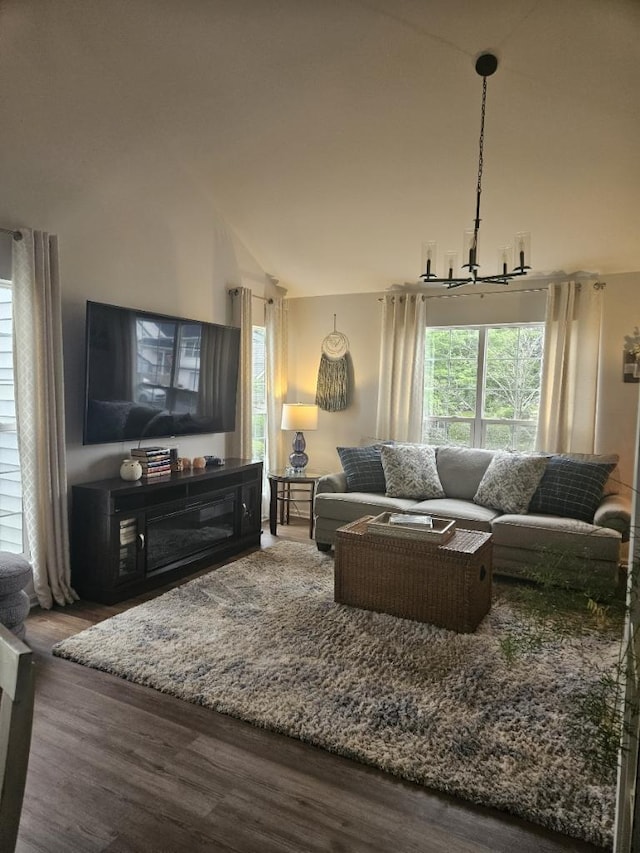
(496, 278)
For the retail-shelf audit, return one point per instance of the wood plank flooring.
(121, 768)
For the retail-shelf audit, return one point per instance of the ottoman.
(15, 574)
(448, 585)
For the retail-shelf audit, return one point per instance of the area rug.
(261, 639)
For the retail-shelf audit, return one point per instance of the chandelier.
(486, 65)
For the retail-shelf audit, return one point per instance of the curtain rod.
(17, 235)
(460, 295)
(235, 291)
(597, 284)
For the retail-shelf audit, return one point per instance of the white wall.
(143, 237)
(359, 317)
(310, 321)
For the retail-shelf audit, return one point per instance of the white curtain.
(569, 388)
(40, 413)
(276, 319)
(239, 443)
(401, 385)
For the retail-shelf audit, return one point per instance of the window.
(258, 394)
(482, 386)
(11, 537)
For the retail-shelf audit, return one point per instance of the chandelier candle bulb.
(452, 263)
(505, 256)
(429, 258)
(471, 249)
(523, 242)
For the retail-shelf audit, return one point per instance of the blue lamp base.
(298, 459)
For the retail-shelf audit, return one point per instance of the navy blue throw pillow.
(571, 489)
(363, 468)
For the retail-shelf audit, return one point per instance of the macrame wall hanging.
(332, 390)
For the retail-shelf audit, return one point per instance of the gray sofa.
(526, 544)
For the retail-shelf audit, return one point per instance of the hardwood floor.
(120, 768)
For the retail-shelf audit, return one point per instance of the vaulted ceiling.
(336, 136)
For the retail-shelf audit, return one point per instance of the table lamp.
(299, 417)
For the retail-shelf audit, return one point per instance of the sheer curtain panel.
(401, 385)
(276, 341)
(239, 443)
(569, 387)
(40, 413)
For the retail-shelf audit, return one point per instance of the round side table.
(287, 488)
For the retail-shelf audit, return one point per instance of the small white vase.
(130, 469)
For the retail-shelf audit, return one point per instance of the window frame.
(260, 329)
(479, 423)
(12, 470)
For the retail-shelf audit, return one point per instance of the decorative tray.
(410, 526)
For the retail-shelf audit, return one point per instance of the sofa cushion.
(510, 481)
(460, 470)
(571, 488)
(363, 468)
(348, 506)
(410, 471)
(468, 515)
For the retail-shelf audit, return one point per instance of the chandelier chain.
(481, 145)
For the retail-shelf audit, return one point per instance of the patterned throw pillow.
(510, 482)
(571, 489)
(410, 471)
(363, 468)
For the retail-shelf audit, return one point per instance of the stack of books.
(155, 461)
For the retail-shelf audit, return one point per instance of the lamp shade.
(300, 417)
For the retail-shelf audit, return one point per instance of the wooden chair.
(16, 715)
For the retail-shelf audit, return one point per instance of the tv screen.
(150, 376)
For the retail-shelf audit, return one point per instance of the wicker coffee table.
(448, 585)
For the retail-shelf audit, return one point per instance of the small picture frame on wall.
(630, 367)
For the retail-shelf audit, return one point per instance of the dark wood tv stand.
(129, 537)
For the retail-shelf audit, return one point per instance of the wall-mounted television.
(151, 375)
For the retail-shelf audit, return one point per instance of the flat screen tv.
(151, 375)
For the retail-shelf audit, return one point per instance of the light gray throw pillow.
(410, 471)
(510, 481)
